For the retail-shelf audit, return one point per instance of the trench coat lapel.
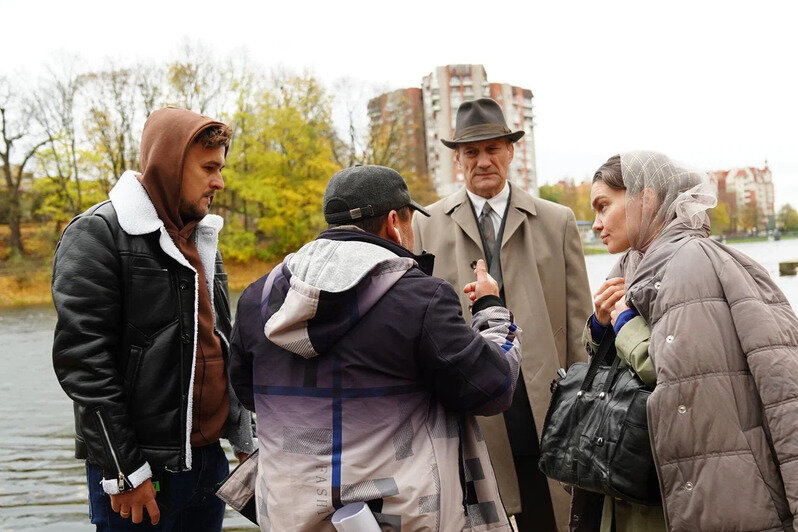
(459, 208)
(520, 205)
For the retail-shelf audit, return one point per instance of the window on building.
(455, 80)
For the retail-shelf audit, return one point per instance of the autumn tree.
(55, 111)
(19, 142)
(196, 80)
(111, 122)
(280, 165)
(720, 218)
(239, 210)
(550, 192)
(574, 196)
(750, 217)
(788, 218)
(150, 80)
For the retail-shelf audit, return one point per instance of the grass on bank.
(26, 280)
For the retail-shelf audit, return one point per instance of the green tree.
(281, 162)
(720, 219)
(576, 197)
(550, 193)
(788, 218)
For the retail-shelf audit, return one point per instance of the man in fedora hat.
(532, 248)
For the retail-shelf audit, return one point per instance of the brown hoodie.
(168, 133)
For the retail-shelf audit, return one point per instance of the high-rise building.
(434, 113)
(396, 130)
(517, 106)
(444, 89)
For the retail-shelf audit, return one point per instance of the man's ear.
(457, 157)
(392, 227)
(511, 149)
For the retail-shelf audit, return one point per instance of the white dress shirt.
(498, 203)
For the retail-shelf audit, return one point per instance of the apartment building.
(742, 187)
(442, 92)
(396, 130)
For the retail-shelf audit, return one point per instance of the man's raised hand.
(485, 285)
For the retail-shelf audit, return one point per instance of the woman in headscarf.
(709, 329)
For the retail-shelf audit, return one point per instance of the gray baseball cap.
(366, 191)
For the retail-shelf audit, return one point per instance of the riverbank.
(26, 281)
(599, 249)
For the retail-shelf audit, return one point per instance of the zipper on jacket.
(183, 396)
(121, 478)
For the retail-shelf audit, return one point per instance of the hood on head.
(167, 136)
(319, 293)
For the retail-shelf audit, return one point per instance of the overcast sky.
(713, 84)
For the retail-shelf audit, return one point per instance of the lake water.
(42, 487)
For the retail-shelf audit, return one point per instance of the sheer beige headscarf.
(661, 193)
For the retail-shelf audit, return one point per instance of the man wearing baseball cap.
(366, 378)
(533, 249)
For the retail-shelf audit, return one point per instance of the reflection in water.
(42, 486)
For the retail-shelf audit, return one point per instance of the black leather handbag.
(595, 435)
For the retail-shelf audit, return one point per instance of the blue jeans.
(187, 501)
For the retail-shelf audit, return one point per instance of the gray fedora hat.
(480, 120)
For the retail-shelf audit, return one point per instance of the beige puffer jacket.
(724, 414)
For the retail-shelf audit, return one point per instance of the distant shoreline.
(26, 282)
(599, 249)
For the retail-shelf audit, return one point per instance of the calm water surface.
(42, 487)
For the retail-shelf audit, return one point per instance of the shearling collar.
(137, 216)
(136, 213)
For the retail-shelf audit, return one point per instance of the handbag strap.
(611, 374)
(603, 357)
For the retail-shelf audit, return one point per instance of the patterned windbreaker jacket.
(365, 379)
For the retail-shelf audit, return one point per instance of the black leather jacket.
(124, 344)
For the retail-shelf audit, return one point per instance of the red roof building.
(741, 187)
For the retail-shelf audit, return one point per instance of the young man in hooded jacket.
(141, 340)
(365, 377)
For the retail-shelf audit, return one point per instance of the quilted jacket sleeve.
(473, 369)
(87, 294)
(768, 331)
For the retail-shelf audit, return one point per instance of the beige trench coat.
(546, 288)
